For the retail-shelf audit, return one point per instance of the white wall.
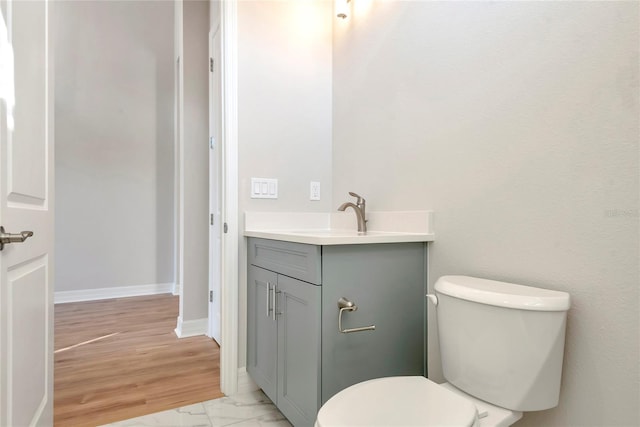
(517, 122)
(284, 110)
(114, 144)
(194, 176)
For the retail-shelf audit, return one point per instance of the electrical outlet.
(314, 191)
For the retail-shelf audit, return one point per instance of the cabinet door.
(387, 282)
(262, 329)
(298, 350)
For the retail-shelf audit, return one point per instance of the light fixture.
(342, 8)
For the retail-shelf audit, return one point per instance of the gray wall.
(114, 144)
(517, 122)
(194, 188)
(284, 110)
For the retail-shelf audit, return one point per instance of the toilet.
(502, 347)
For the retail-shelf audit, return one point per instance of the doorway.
(115, 151)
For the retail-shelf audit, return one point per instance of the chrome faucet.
(359, 209)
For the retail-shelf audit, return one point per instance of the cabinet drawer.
(295, 260)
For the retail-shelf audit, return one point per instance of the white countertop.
(338, 237)
(340, 228)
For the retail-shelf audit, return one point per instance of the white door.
(215, 186)
(26, 203)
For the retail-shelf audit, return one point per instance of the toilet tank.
(500, 342)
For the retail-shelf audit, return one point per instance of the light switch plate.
(264, 188)
(314, 191)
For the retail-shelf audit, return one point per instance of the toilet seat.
(397, 401)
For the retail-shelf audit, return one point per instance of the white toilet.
(502, 347)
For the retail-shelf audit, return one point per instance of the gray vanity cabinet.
(301, 359)
(283, 329)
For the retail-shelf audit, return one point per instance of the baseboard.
(177, 289)
(245, 383)
(115, 292)
(191, 328)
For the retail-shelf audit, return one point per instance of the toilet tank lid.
(502, 294)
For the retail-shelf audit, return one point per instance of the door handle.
(268, 300)
(6, 238)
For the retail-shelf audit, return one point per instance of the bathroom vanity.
(295, 350)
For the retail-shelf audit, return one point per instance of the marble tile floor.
(249, 409)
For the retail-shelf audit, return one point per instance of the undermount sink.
(337, 233)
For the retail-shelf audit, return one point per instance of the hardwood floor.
(118, 359)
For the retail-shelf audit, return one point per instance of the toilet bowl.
(410, 401)
(502, 347)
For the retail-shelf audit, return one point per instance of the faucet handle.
(360, 198)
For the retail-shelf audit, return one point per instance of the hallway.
(120, 358)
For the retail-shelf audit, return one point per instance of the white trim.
(212, 190)
(115, 292)
(177, 288)
(191, 328)
(229, 264)
(245, 383)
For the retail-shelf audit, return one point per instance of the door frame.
(229, 211)
(216, 183)
(228, 192)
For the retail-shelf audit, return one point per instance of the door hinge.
(212, 142)
(225, 228)
(211, 219)
(210, 296)
(211, 64)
